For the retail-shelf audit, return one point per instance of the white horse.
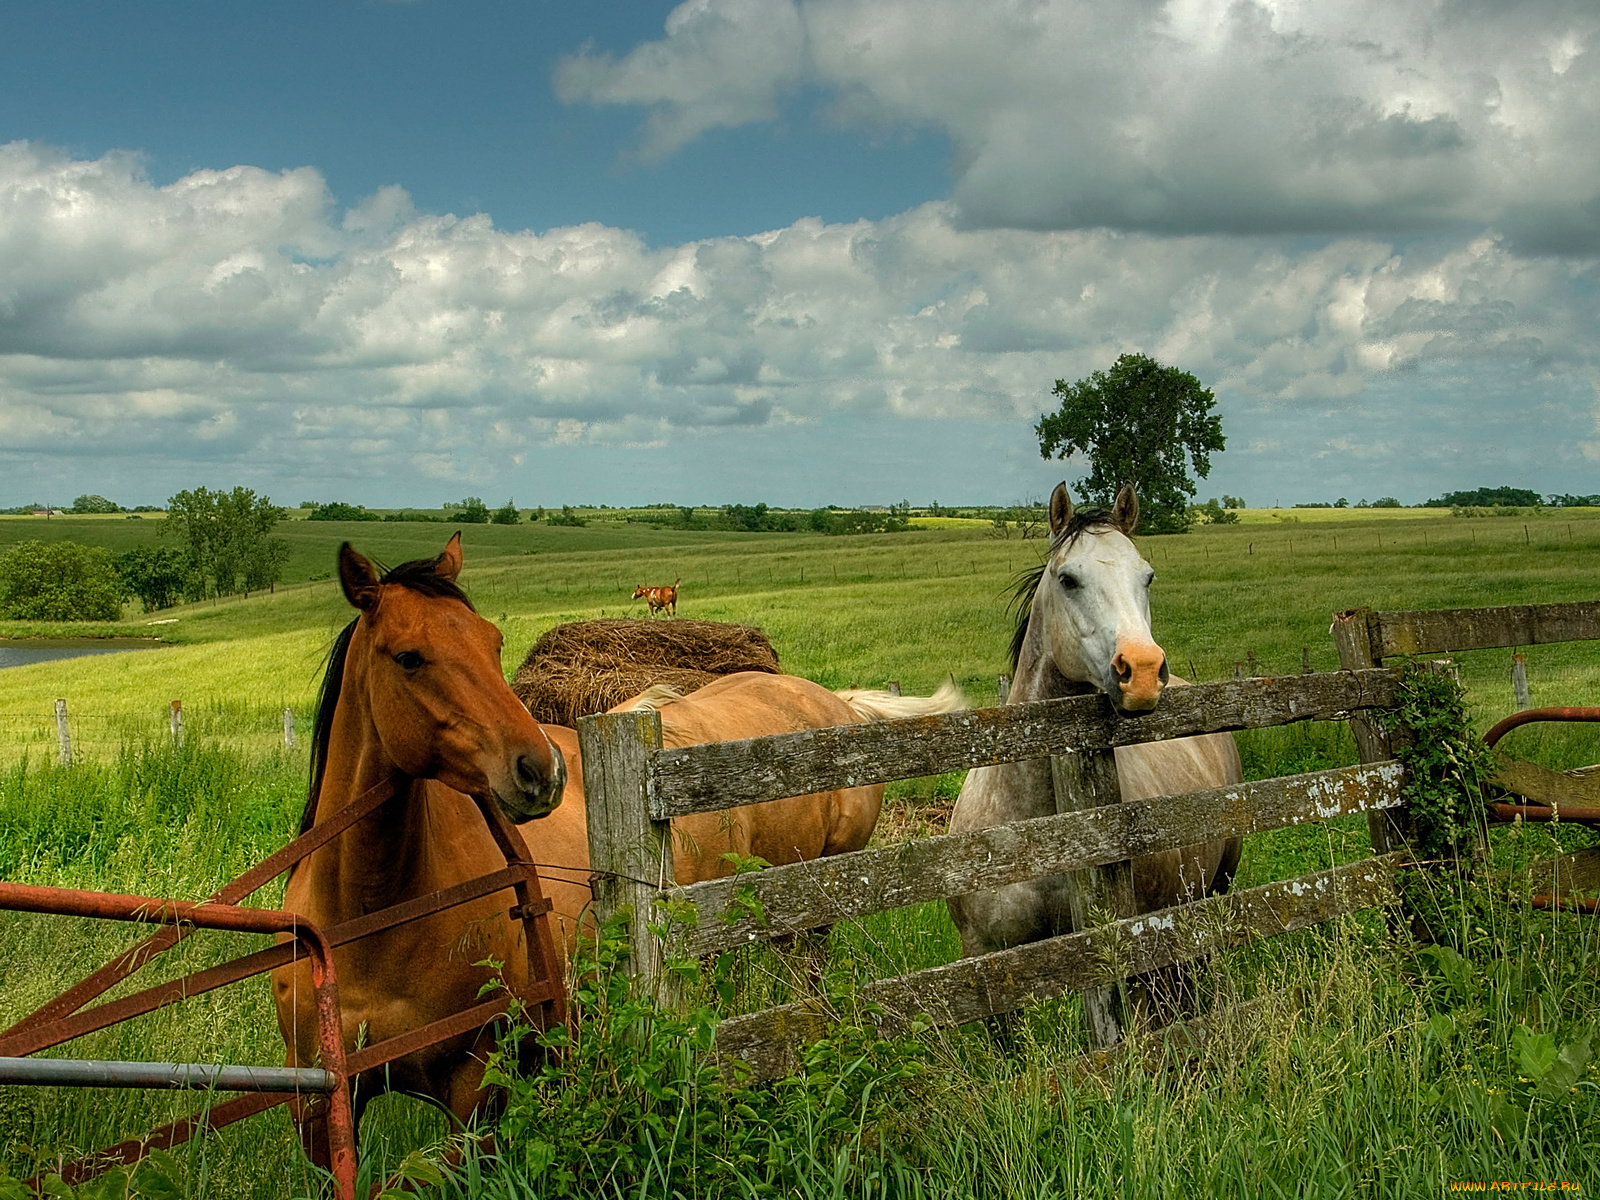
(1086, 628)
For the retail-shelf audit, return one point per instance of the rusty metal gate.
(66, 1017)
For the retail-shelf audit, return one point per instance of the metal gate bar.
(107, 1073)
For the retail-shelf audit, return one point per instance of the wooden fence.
(635, 786)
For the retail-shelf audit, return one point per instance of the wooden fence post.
(1088, 779)
(894, 687)
(1003, 690)
(1354, 634)
(63, 734)
(175, 720)
(630, 854)
(1519, 681)
(288, 729)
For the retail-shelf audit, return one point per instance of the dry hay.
(589, 666)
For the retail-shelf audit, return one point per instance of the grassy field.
(1349, 1073)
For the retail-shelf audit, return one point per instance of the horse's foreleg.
(310, 1117)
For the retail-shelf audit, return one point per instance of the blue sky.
(453, 102)
(801, 251)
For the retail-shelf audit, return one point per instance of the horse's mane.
(1026, 582)
(420, 575)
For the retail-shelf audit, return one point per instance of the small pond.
(20, 652)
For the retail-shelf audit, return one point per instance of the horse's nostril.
(1123, 668)
(529, 775)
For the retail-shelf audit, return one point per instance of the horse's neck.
(382, 858)
(1015, 791)
(1037, 677)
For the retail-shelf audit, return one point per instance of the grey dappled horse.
(1086, 628)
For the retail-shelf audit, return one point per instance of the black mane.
(1026, 581)
(420, 575)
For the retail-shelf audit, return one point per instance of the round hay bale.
(589, 666)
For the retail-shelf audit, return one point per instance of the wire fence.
(1498, 682)
(61, 733)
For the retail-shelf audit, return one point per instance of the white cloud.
(1186, 116)
(238, 317)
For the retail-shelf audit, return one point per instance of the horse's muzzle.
(1141, 672)
(538, 792)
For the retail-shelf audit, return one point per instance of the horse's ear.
(1060, 509)
(358, 577)
(1125, 512)
(448, 564)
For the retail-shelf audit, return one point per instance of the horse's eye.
(1149, 579)
(409, 659)
(1069, 581)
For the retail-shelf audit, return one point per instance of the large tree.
(226, 535)
(1139, 423)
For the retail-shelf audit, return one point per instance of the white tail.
(886, 706)
(654, 698)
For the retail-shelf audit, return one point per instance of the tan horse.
(1085, 627)
(744, 705)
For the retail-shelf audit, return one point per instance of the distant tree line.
(1500, 497)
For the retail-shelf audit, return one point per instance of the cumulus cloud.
(1192, 116)
(241, 316)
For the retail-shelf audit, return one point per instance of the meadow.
(1366, 1072)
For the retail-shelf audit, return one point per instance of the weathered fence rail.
(812, 894)
(723, 775)
(973, 988)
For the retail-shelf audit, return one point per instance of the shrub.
(59, 581)
(336, 510)
(1212, 513)
(897, 519)
(473, 511)
(507, 514)
(1488, 498)
(630, 1101)
(566, 517)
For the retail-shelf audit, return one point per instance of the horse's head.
(429, 670)
(638, 591)
(1094, 600)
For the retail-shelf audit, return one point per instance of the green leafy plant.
(158, 1176)
(59, 581)
(629, 1096)
(1448, 768)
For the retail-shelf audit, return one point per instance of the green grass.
(862, 610)
(1345, 1087)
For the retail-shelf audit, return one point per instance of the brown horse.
(414, 700)
(744, 705)
(660, 599)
